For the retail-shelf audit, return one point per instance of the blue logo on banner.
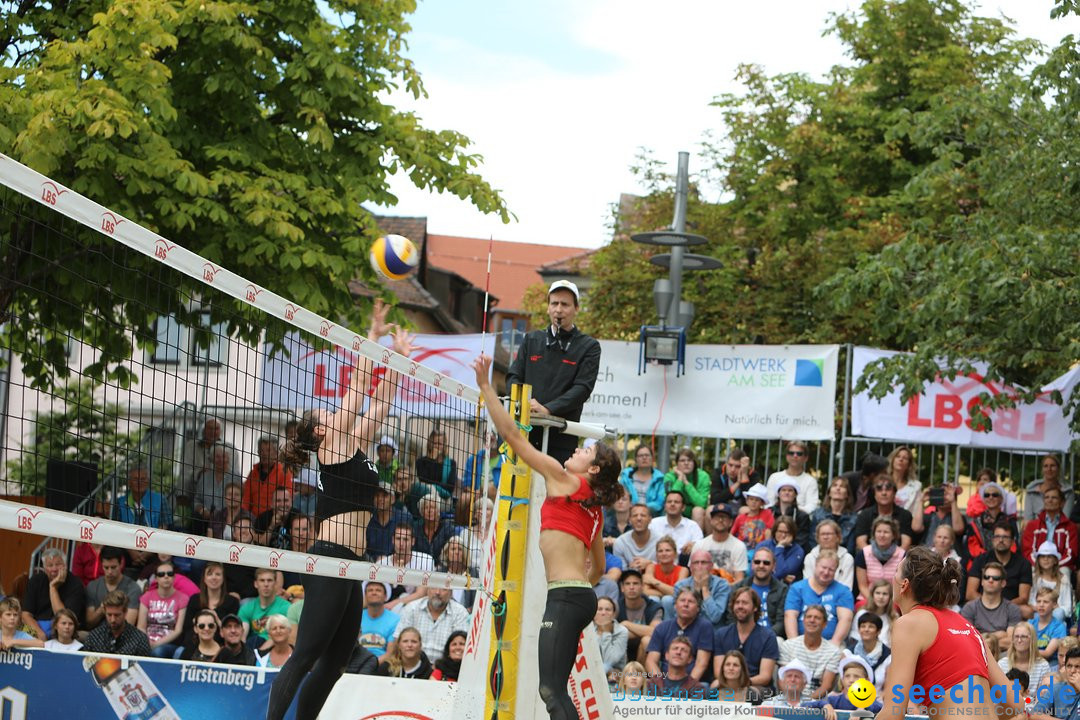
(808, 373)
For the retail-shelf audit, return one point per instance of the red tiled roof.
(574, 264)
(514, 266)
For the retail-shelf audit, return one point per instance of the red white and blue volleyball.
(394, 257)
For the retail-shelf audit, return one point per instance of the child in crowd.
(754, 526)
(1048, 629)
(880, 604)
(874, 653)
(852, 669)
(10, 634)
(1021, 678)
(631, 680)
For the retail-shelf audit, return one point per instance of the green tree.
(250, 133)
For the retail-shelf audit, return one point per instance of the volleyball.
(394, 257)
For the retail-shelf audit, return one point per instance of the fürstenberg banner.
(741, 391)
(942, 413)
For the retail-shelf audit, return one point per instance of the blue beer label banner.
(44, 685)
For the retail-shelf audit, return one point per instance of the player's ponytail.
(935, 581)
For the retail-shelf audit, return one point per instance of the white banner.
(301, 378)
(740, 391)
(942, 413)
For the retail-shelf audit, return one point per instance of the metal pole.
(844, 409)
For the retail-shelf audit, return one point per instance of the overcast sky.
(560, 96)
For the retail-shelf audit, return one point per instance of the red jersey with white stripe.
(568, 515)
(957, 652)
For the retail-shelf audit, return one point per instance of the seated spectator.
(385, 459)
(820, 589)
(990, 613)
(430, 529)
(406, 659)
(637, 612)
(265, 478)
(181, 581)
(978, 537)
(806, 485)
(404, 557)
(222, 521)
(435, 616)
(644, 483)
(734, 478)
(116, 636)
(474, 467)
(869, 647)
(1017, 570)
(213, 595)
(1061, 702)
(637, 548)
(905, 476)
(787, 554)
(234, 651)
(1049, 575)
(1022, 655)
(279, 629)
(732, 681)
(617, 519)
(1021, 680)
(271, 527)
(612, 637)
(852, 669)
(305, 485)
(688, 622)
(380, 529)
(728, 552)
(839, 509)
(49, 590)
(436, 467)
(1035, 492)
(448, 667)
(240, 579)
(256, 612)
(377, 624)
(473, 535)
(884, 505)
(1049, 631)
(408, 491)
(301, 538)
(814, 652)
(771, 592)
(926, 521)
(86, 562)
(755, 522)
(10, 620)
(677, 681)
(879, 559)
(660, 577)
(362, 662)
(454, 560)
(786, 506)
(1051, 526)
(755, 643)
(140, 505)
(63, 635)
(205, 647)
(829, 536)
(675, 525)
(794, 681)
(1056, 679)
(198, 455)
(975, 505)
(161, 613)
(692, 483)
(209, 497)
(944, 544)
(631, 681)
(112, 578)
(714, 590)
(880, 603)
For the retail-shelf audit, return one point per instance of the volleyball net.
(151, 396)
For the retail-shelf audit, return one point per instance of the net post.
(509, 591)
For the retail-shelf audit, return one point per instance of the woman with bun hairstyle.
(933, 645)
(570, 522)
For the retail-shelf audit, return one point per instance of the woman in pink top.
(161, 613)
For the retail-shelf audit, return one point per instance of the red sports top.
(957, 652)
(569, 516)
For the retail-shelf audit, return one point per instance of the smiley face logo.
(862, 693)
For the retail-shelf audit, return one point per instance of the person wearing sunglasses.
(978, 536)
(1017, 589)
(990, 613)
(884, 505)
(207, 648)
(161, 613)
(796, 456)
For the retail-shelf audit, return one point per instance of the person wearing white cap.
(796, 455)
(561, 363)
(754, 525)
(1049, 574)
(1051, 525)
(385, 462)
(794, 678)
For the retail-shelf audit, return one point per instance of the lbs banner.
(740, 391)
(942, 413)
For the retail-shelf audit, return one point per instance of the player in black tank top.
(333, 607)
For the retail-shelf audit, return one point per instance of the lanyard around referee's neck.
(556, 337)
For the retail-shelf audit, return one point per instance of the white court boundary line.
(97, 217)
(55, 523)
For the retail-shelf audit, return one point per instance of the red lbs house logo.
(51, 192)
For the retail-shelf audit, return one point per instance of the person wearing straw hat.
(794, 678)
(561, 364)
(1049, 574)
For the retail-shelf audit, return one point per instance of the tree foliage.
(250, 133)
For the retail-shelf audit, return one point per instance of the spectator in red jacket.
(265, 477)
(1051, 525)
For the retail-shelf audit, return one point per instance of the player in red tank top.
(938, 658)
(570, 537)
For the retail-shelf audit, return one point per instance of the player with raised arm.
(570, 523)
